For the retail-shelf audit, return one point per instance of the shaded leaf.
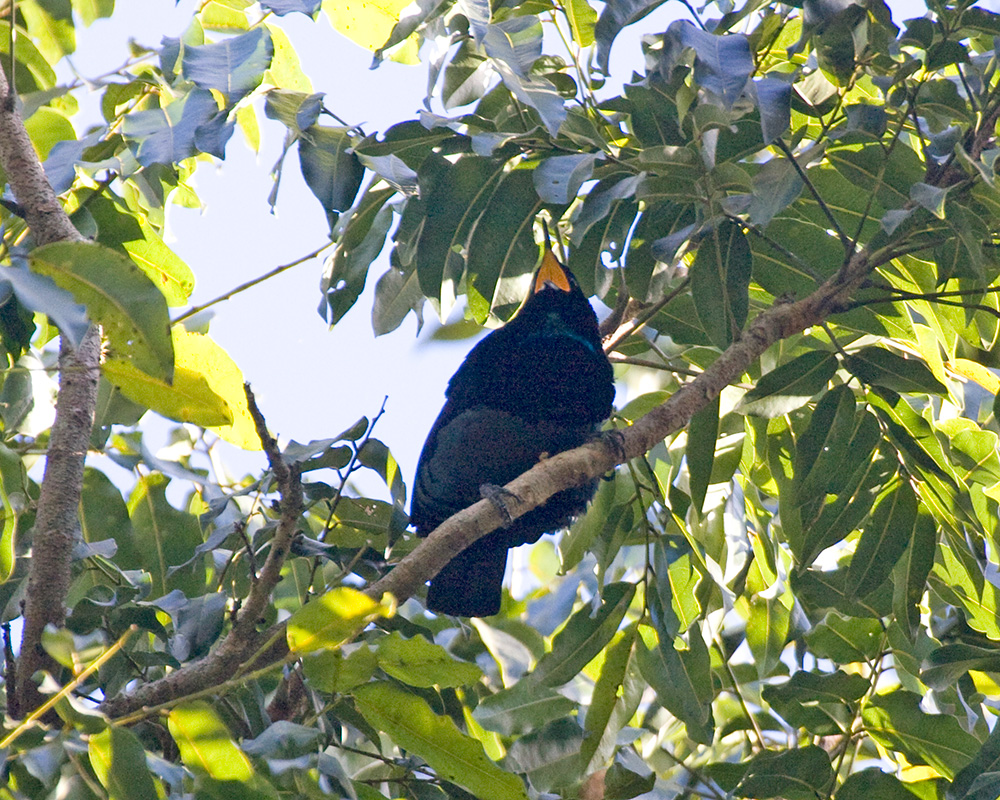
(583, 637)
(789, 386)
(521, 708)
(882, 367)
(331, 170)
(167, 135)
(720, 280)
(895, 720)
(799, 774)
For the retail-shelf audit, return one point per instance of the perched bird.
(539, 385)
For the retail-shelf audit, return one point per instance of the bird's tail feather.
(471, 584)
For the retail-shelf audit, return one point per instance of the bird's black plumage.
(539, 385)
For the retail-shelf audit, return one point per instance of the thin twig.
(251, 283)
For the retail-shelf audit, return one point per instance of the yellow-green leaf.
(455, 757)
(119, 296)
(364, 22)
(332, 619)
(207, 389)
(205, 744)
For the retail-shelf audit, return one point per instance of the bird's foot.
(614, 440)
(498, 496)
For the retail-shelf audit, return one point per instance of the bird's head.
(556, 302)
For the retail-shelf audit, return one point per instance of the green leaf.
(582, 19)
(793, 256)
(821, 453)
(945, 665)
(703, 433)
(890, 172)
(119, 761)
(14, 501)
(417, 662)
(119, 297)
(883, 540)
(50, 25)
(583, 637)
(872, 783)
(331, 619)
(846, 639)
(521, 708)
(558, 179)
(455, 757)
(331, 169)
(895, 721)
(986, 762)
(804, 773)
(911, 572)
(91, 10)
(840, 517)
(502, 249)
(768, 626)
(119, 229)
(605, 700)
(168, 135)
(550, 757)
(205, 744)
(297, 111)
(682, 680)
(104, 514)
(789, 386)
(881, 367)
(331, 671)
(819, 702)
(615, 16)
(397, 293)
(164, 537)
(720, 280)
(360, 240)
(233, 66)
(455, 198)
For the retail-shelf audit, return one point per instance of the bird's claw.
(614, 440)
(498, 496)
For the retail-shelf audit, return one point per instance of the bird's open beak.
(551, 273)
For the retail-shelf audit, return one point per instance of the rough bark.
(56, 520)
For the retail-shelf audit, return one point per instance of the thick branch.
(56, 521)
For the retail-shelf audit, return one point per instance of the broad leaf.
(409, 721)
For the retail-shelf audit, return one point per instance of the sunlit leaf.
(119, 296)
(332, 619)
(456, 757)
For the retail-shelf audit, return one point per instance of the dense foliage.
(792, 593)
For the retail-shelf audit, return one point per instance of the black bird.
(539, 385)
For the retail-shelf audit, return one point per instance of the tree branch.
(56, 521)
(244, 641)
